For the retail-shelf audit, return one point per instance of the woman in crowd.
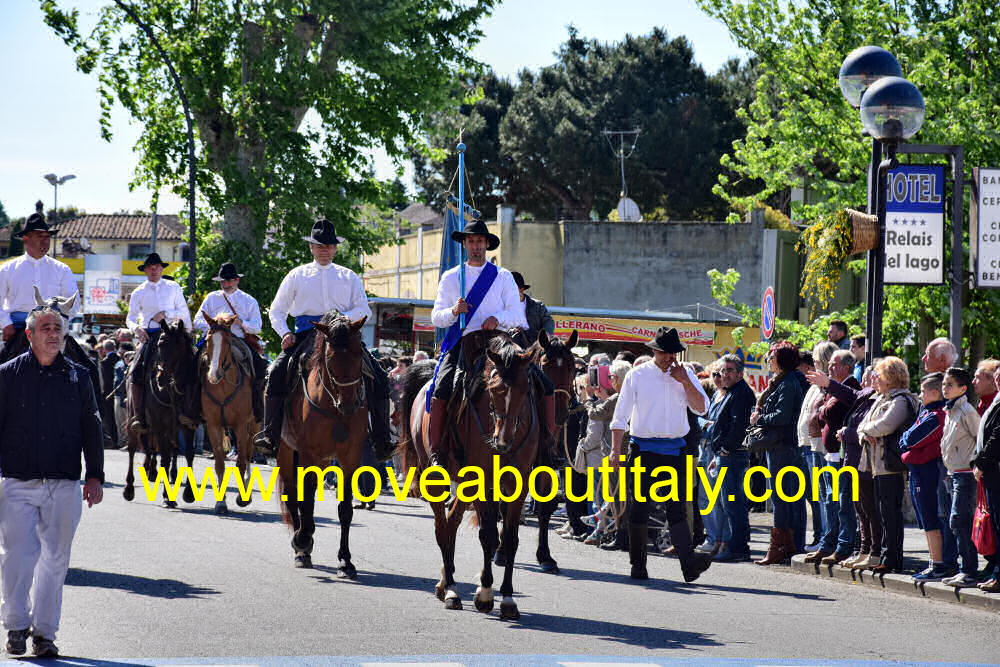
(921, 450)
(811, 441)
(576, 424)
(986, 469)
(717, 529)
(893, 411)
(958, 446)
(778, 408)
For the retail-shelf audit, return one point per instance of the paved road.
(152, 583)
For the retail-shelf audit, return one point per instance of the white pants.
(38, 519)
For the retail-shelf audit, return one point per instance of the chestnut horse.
(502, 421)
(555, 358)
(227, 400)
(328, 417)
(170, 374)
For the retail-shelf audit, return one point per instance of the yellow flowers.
(826, 245)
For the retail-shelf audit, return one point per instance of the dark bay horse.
(227, 399)
(555, 359)
(327, 418)
(171, 373)
(501, 421)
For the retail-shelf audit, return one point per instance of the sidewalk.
(914, 560)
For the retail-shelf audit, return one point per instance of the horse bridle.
(530, 399)
(222, 372)
(359, 395)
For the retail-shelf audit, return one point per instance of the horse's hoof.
(188, 496)
(242, 503)
(170, 504)
(453, 603)
(499, 560)
(549, 567)
(439, 592)
(303, 561)
(347, 571)
(220, 508)
(509, 611)
(483, 600)
(129, 493)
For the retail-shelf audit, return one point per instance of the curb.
(899, 583)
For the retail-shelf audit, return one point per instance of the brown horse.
(501, 421)
(170, 374)
(555, 359)
(328, 418)
(227, 400)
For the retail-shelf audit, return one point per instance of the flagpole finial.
(461, 147)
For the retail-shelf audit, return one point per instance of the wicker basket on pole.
(864, 231)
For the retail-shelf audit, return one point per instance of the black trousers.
(889, 492)
(674, 509)
(139, 369)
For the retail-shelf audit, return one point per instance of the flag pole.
(461, 225)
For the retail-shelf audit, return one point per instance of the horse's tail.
(286, 515)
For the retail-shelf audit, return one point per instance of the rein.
(359, 395)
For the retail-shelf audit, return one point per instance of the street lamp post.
(55, 182)
(892, 110)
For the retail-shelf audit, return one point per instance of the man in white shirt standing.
(231, 299)
(307, 293)
(493, 301)
(19, 277)
(653, 405)
(149, 307)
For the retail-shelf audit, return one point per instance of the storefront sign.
(102, 284)
(632, 331)
(914, 226)
(984, 227)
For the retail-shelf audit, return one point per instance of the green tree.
(802, 133)
(287, 98)
(4, 220)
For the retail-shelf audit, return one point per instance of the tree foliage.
(802, 133)
(287, 97)
(538, 145)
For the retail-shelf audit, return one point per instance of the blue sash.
(305, 322)
(667, 446)
(454, 334)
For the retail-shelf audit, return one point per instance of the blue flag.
(451, 254)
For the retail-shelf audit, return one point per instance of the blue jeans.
(807, 462)
(716, 526)
(949, 543)
(963, 506)
(841, 523)
(787, 514)
(735, 510)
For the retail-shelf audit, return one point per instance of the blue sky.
(49, 121)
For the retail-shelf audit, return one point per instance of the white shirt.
(502, 301)
(150, 298)
(312, 289)
(246, 307)
(18, 277)
(652, 404)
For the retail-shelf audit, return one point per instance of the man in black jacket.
(534, 311)
(48, 417)
(724, 435)
(107, 386)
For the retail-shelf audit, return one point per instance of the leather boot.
(787, 543)
(435, 433)
(136, 424)
(258, 400)
(776, 548)
(381, 434)
(638, 539)
(274, 416)
(693, 563)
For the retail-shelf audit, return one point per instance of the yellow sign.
(632, 331)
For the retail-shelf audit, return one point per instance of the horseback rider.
(307, 293)
(493, 302)
(150, 306)
(231, 299)
(20, 276)
(536, 314)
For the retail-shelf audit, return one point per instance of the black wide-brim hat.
(35, 223)
(477, 227)
(323, 233)
(519, 279)
(152, 258)
(227, 272)
(666, 340)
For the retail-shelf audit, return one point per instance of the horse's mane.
(339, 336)
(225, 320)
(509, 355)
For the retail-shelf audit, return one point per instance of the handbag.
(760, 438)
(983, 532)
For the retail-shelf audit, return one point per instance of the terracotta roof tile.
(122, 227)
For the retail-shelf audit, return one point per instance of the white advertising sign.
(102, 283)
(914, 225)
(984, 230)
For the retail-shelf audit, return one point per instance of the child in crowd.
(958, 445)
(921, 448)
